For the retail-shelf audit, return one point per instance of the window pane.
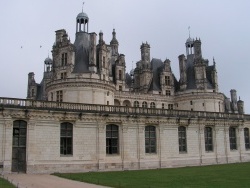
(66, 146)
(15, 141)
(115, 134)
(112, 140)
(22, 141)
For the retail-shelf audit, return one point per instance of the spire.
(214, 63)
(82, 6)
(189, 31)
(114, 40)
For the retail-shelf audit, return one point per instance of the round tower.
(85, 80)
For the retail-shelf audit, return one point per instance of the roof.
(82, 53)
(157, 66)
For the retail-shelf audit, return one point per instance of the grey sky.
(223, 27)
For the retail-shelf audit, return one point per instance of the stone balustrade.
(105, 109)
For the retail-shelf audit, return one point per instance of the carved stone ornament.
(8, 124)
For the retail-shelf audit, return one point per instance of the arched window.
(112, 139)
(66, 142)
(150, 139)
(136, 104)
(208, 139)
(144, 104)
(232, 138)
(152, 105)
(182, 139)
(247, 140)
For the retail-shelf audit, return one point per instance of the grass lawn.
(5, 184)
(229, 175)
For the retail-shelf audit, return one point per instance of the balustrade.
(34, 104)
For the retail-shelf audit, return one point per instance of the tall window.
(51, 96)
(168, 93)
(120, 74)
(120, 88)
(32, 92)
(64, 59)
(182, 139)
(66, 146)
(112, 139)
(208, 139)
(103, 62)
(150, 139)
(136, 104)
(59, 96)
(144, 104)
(167, 80)
(247, 140)
(232, 138)
(162, 106)
(152, 105)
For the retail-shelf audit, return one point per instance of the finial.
(239, 98)
(82, 6)
(189, 31)
(48, 53)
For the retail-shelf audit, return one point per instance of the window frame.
(182, 139)
(150, 139)
(152, 105)
(167, 80)
(168, 92)
(66, 140)
(136, 104)
(247, 138)
(232, 138)
(144, 104)
(208, 139)
(112, 139)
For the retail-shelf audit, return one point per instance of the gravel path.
(45, 181)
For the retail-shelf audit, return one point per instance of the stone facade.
(88, 114)
(89, 136)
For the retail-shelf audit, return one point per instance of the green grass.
(229, 175)
(5, 184)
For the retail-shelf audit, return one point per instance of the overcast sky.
(222, 25)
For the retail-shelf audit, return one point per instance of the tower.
(199, 67)
(114, 44)
(145, 56)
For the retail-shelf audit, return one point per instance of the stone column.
(101, 145)
(30, 146)
(7, 142)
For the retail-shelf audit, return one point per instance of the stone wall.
(89, 141)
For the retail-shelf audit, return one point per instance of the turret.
(234, 100)
(32, 86)
(82, 21)
(240, 105)
(114, 44)
(120, 69)
(145, 56)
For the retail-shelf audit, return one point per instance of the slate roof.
(157, 66)
(82, 53)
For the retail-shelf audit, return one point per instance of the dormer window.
(64, 59)
(167, 80)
